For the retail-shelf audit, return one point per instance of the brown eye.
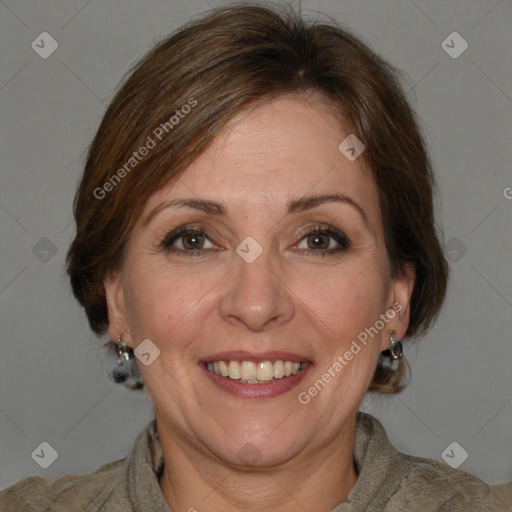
(191, 241)
(320, 241)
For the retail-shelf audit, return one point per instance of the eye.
(319, 240)
(191, 241)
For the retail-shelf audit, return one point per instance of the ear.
(117, 317)
(400, 303)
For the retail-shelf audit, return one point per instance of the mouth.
(250, 372)
(249, 376)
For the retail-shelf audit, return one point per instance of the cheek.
(346, 302)
(151, 300)
(347, 309)
(161, 301)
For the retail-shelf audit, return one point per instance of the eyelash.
(329, 230)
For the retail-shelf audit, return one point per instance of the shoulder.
(427, 482)
(68, 493)
(391, 480)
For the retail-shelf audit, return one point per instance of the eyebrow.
(294, 206)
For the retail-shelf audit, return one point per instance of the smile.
(250, 372)
(255, 374)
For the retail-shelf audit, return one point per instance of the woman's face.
(253, 283)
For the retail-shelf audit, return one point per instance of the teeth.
(224, 371)
(234, 370)
(265, 370)
(249, 372)
(279, 369)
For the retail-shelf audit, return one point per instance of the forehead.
(283, 148)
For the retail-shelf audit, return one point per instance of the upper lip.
(241, 355)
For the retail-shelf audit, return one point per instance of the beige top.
(388, 481)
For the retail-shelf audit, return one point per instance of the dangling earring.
(395, 346)
(126, 370)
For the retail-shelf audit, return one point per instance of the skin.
(290, 298)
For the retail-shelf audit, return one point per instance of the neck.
(191, 480)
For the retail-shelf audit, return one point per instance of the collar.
(145, 467)
(376, 460)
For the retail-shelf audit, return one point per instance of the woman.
(255, 230)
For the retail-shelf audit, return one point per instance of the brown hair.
(229, 59)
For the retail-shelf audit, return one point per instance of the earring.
(123, 353)
(395, 346)
(126, 370)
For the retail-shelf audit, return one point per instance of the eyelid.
(312, 224)
(183, 230)
(325, 228)
(328, 230)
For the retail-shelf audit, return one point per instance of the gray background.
(53, 381)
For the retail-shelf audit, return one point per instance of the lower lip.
(270, 390)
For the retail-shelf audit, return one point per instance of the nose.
(257, 295)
